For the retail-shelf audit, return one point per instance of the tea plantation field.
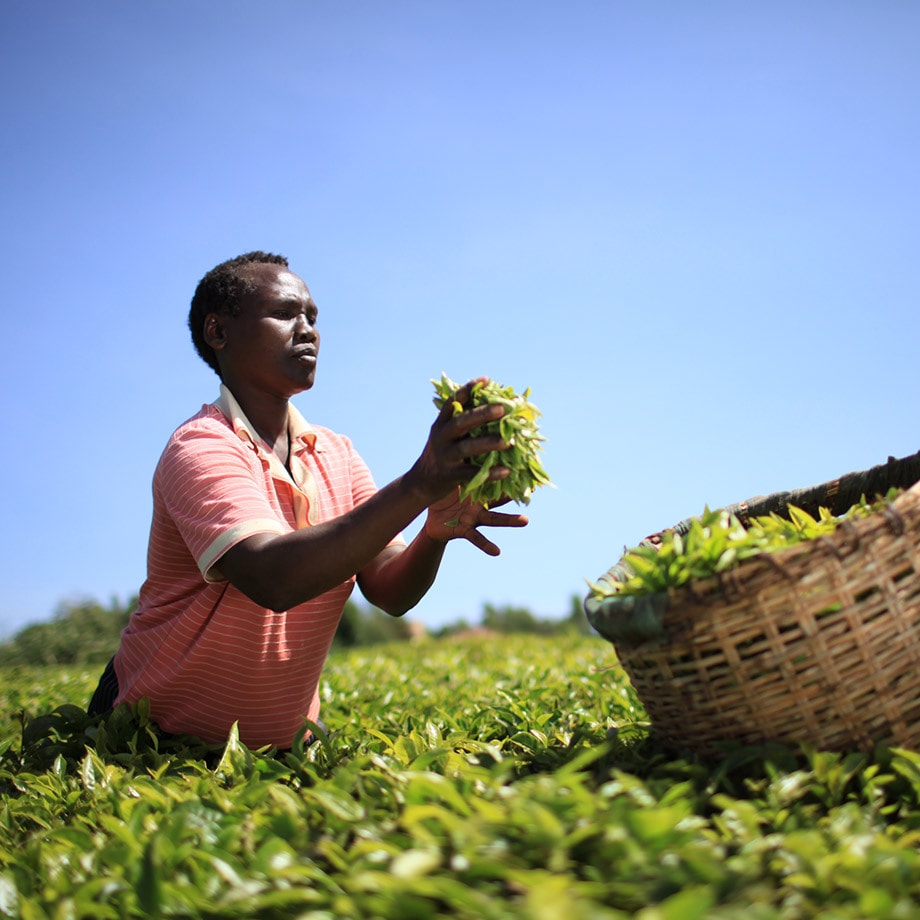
(480, 779)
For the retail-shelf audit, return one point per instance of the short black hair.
(220, 291)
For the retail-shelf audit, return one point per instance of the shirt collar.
(302, 434)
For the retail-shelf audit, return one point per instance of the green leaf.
(411, 864)
(517, 427)
(149, 888)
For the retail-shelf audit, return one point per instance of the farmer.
(263, 522)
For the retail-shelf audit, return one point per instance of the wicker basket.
(818, 643)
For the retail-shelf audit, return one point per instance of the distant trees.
(512, 619)
(80, 632)
(368, 626)
(509, 619)
(87, 632)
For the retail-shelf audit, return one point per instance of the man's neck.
(268, 414)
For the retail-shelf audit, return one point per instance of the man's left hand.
(453, 519)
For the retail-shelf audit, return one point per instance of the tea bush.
(508, 778)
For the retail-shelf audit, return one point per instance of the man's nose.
(304, 328)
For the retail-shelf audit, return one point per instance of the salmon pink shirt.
(204, 654)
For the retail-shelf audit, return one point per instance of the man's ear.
(214, 332)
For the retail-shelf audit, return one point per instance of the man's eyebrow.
(291, 296)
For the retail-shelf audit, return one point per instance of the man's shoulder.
(208, 420)
(206, 430)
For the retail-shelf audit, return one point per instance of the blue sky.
(691, 229)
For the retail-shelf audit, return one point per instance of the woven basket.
(818, 643)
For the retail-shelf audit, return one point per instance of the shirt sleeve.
(214, 487)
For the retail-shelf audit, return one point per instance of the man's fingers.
(499, 519)
(483, 543)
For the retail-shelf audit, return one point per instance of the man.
(262, 524)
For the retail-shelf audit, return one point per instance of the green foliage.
(81, 632)
(510, 619)
(368, 626)
(85, 632)
(717, 541)
(507, 778)
(518, 428)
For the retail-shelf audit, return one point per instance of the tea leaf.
(517, 427)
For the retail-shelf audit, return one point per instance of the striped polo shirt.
(204, 654)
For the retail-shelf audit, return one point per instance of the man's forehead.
(275, 278)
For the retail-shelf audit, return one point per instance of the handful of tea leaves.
(717, 541)
(517, 427)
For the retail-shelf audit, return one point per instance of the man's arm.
(282, 571)
(398, 578)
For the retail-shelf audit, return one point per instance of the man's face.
(273, 343)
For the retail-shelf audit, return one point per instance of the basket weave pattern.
(819, 643)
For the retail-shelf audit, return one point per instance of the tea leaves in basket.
(717, 541)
